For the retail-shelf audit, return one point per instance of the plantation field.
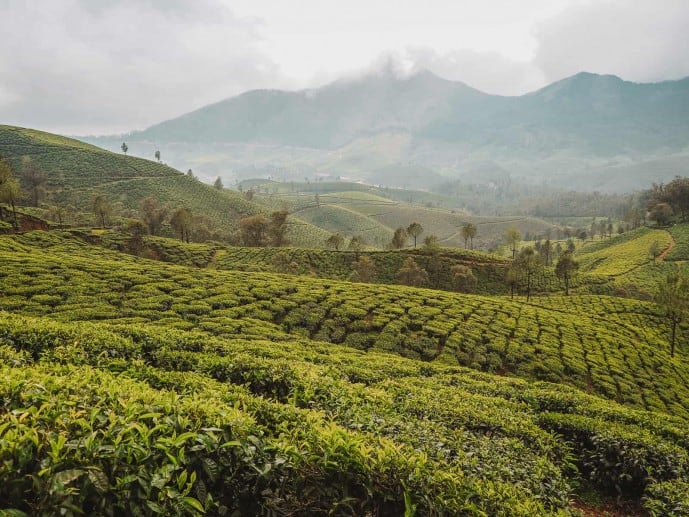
(135, 386)
(624, 359)
(352, 209)
(680, 234)
(622, 253)
(78, 172)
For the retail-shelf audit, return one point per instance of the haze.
(94, 67)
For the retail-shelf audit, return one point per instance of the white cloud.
(78, 65)
(641, 40)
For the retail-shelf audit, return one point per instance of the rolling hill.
(130, 385)
(77, 172)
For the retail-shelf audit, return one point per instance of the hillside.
(221, 391)
(417, 131)
(77, 172)
(373, 213)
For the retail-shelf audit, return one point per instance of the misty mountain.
(356, 127)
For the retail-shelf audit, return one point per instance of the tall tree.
(356, 244)
(463, 278)
(528, 263)
(157, 155)
(277, 228)
(364, 270)
(10, 191)
(469, 231)
(672, 296)
(335, 241)
(102, 209)
(218, 183)
(35, 179)
(513, 237)
(252, 230)
(414, 229)
(412, 274)
(431, 242)
(565, 268)
(181, 222)
(124, 148)
(153, 214)
(399, 239)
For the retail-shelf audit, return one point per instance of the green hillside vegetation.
(374, 213)
(77, 172)
(221, 391)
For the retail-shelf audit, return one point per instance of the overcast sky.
(102, 66)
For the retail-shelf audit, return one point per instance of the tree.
(35, 179)
(356, 244)
(513, 237)
(252, 230)
(277, 228)
(469, 231)
(431, 242)
(190, 173)
(411, 274)
(10, 190)
(672, 297)
(565, 268)
(546, 252)
(102, 209)
(512, 279)
(463, 278)
(153, 215)
(249, 194)
(124, 148)
(335, 241)
(528, 263)
(157, 155)
(136, 230)
(661, 213)
(181, 222)
(364, 270)
(218, 183)
(399, 239)
(414, 229)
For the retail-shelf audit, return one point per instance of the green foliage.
(131, 386)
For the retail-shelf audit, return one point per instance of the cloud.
(489, 72)
(122, 65)
(643, 40)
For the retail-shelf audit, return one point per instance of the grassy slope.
(623, 264)
(196, 356)
(77, 172)
(555, 339)
(354, 209)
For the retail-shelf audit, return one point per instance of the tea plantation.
(134, 386)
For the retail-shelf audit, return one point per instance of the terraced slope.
(133, 386)
(622, 358)
(77, 172)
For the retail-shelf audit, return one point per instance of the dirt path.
(667, 250)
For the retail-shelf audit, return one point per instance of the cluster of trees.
(667, 202)
(259, 230)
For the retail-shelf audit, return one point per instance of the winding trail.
(667, 250)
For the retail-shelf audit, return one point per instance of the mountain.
(353, 127)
